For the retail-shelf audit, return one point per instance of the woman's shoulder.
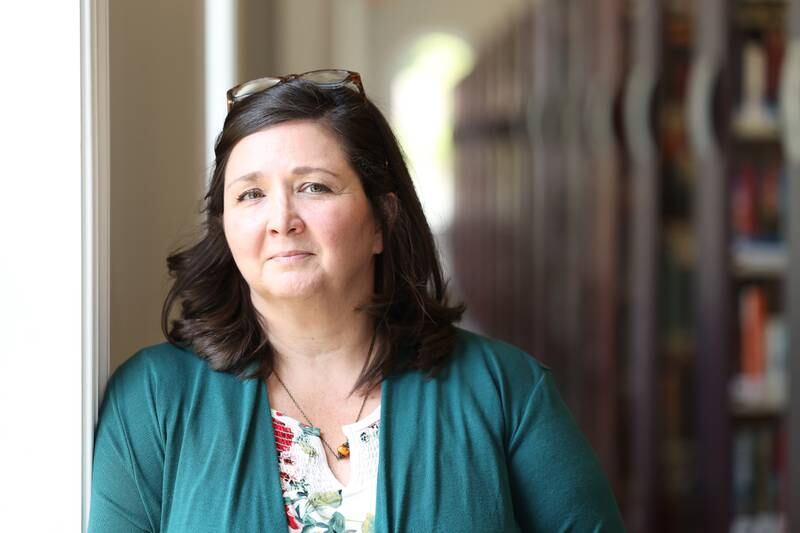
(484, 369)
(161, 374)
(162, 362)
(168, 382)
(477, 354)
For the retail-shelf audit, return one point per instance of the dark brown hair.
(413, 319)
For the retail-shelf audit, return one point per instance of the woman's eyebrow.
(308, 170)
(252, 176)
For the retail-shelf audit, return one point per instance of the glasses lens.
(254, 86)
(327, 77)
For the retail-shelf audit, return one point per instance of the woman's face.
(296, 217)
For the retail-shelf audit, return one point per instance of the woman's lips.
(290, 257)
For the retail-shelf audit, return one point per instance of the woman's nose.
(282, 215)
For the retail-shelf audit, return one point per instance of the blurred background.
(609, 181)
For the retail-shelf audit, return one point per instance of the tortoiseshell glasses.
(327, 78)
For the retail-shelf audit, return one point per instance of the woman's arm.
(128, 458)
(556, 481)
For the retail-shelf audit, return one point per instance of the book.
(753, 317)
(745, 215)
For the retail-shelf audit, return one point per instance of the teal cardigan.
(488, 446)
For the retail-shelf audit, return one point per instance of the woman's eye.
(314, 188)
(251, 194)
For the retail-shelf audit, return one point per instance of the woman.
(314, 379)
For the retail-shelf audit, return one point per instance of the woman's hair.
(413, 319)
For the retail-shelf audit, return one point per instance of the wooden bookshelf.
(626, 174)
(759, 382)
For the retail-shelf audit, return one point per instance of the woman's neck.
(328, 346)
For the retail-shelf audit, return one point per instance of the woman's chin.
(294, 289)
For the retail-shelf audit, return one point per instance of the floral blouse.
(314, 499)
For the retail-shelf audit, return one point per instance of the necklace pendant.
(343, 450)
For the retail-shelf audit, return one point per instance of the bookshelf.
(790, 115)
(759, 382)
(626, 172)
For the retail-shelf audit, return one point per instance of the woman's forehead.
(284, 147)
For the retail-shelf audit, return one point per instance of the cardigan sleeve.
(557, 484)
(128, 457)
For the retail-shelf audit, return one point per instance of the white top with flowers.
(314, 499)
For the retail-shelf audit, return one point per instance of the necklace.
(343, 450)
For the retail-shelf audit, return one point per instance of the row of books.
(761, 382)
(758, 204)
(759, 470)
